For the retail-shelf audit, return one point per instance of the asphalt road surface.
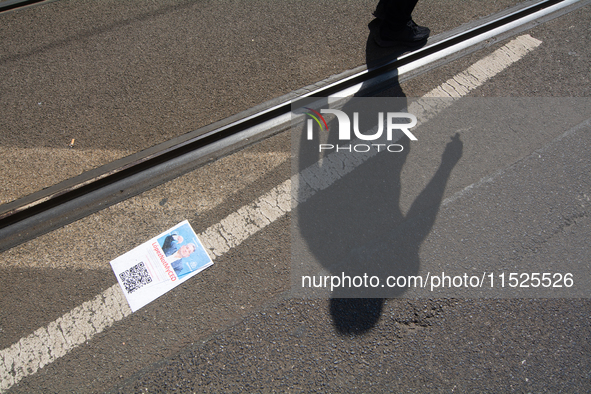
(513, 196)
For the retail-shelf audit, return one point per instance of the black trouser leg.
(396, 13)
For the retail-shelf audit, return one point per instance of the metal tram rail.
(7, 5)
(70, 200)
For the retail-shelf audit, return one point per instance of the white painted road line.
(484, 69)
(47, 344)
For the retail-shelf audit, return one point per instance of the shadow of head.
(355, 316)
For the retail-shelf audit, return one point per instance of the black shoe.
(409, 35)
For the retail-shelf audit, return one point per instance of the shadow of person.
(354, 228)
(358, 315)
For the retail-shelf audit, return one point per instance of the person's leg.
(395, 12)
(397, 26)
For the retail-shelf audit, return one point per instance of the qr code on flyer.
(135, 277)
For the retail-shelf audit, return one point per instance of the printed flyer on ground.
(160, 264)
